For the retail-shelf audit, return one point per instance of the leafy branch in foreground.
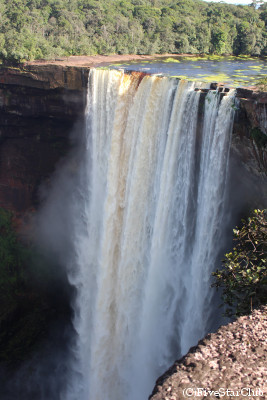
(244, 277)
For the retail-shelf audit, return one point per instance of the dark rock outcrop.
(248, 157)
(39, 108)
(233, 358)
(254, 107)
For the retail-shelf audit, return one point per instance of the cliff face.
(40, 105)
(248, 157)
(250, 128)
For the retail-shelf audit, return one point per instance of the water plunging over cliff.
(148, 219)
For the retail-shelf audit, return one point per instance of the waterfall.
(148, 216)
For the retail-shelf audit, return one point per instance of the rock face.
(255, 106)
(248, 157)
(39, 108)
(234, 359)
(250, 130)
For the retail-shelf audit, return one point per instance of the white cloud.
(244, 2)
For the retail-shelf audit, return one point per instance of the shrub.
(244, 277)
(262, 84)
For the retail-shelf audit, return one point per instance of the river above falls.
(232, 71)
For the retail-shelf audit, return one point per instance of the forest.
(47, 29)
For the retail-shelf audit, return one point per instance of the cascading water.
(149, 210)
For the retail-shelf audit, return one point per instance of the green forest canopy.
(33, 29)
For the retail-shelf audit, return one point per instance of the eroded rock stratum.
(234, 359)
(40, 107)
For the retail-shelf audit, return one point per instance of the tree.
(256, 3)
(263, 13)
(244, 277)
(32, 29)
(218, 40)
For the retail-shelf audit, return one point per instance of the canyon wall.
(42, 105)
(248, 158)
(42, 111)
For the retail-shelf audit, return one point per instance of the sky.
(232, 1)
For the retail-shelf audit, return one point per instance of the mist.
(45, 373)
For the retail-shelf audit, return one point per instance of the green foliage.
(244, 277)
(32, 29)
(262, 84)
(218, 40)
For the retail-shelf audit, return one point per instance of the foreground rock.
(233, 358)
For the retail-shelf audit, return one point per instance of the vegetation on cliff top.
(32, 29)
(244, 277)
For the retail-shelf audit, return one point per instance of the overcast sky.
(232, 1)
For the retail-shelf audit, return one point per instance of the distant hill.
(34, 29)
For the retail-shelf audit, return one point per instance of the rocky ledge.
(234, 359)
